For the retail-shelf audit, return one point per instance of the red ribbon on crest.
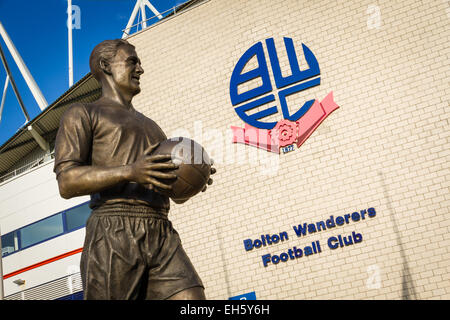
(286, 132)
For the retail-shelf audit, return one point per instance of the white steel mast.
(2, 103)
(69, 29)
(37, 94)
(140, 6)
(30, 82)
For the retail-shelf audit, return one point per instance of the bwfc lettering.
(292, 128)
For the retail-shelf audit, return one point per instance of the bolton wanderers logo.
(292, 128)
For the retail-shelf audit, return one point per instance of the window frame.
(66, 228)
(64, 224)
(19, 231)
(15, 240)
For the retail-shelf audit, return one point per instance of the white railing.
(128, 30)
(28, 166)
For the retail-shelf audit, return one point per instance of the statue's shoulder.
(143, 116)
(151, 124)
(90, 109)
(75, 111)
(147, 119)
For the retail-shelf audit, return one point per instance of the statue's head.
(116, 62)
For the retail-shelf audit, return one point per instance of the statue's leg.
(195, 293)
(171, 273)
(111, 268)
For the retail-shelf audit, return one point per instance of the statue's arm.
(83, 180)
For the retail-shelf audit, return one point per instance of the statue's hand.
(210, 181)
(147, 169)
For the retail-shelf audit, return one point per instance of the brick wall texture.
(386, 147)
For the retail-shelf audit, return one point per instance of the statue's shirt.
(108, 136)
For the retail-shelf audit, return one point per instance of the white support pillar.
(151, 7)
(69, 29)
(2, 103)
(140, 5)
(37, 94)
(144, 17)
(130, 21)
(41, 141)
(13, 84)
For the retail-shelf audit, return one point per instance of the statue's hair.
(105, 50)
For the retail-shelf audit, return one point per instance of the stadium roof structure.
(47, 122)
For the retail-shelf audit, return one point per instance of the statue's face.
(126, 70)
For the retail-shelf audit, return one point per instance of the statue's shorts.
(131, 252)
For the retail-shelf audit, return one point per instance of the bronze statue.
(103, 148)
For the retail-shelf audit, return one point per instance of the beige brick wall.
(386, 147)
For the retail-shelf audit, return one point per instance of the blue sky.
(38, 30)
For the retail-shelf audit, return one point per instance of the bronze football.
(193, 171)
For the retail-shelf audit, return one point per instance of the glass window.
(9, 243)
(41, 230)
(77, 217)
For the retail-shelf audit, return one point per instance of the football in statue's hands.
(193, 171)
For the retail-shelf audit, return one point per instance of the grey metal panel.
(51, 290)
